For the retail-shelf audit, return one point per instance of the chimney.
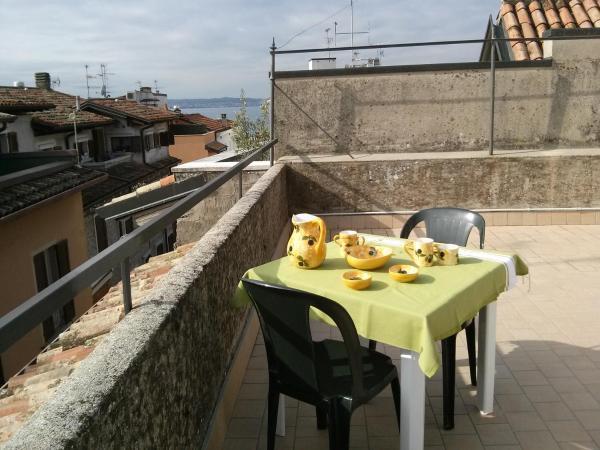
(42, 80)
(224, 120)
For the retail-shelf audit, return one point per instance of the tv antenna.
(104, 92)
(328, 40)
(356, 61)
(55, 82)
(88, 77)
(157, 87)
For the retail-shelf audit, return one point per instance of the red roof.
(211, 124)
(56, 107)
(130, 109)
(530, 19)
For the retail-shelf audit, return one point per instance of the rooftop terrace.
(361, 149)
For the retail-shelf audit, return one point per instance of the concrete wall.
(192, 225)
(22, 238)
(441, 108)
(153, 381)
(550, 179)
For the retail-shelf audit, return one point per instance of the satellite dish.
(56, 82)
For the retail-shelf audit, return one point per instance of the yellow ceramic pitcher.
(306, 247)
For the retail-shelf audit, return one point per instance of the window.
(9, 142)
(84, 151)
(50, 265)
(125, 144)
(125, 226)
(156, 140)
(148, 142)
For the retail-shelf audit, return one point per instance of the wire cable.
(312, 26)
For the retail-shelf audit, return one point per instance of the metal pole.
(492, 90)
(272, 112)
(240, 184)
(126, 282)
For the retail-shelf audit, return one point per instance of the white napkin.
(506, 260)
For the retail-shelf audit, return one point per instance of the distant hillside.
(223, 102)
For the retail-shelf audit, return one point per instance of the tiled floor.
(547, 373)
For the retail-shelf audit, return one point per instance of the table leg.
(280, 430)
(412, 402)
(486, 358)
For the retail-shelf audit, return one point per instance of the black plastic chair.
(334, 376)
(451, 226)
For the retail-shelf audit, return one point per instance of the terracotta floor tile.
(537, 440)
(568, 431)
(547, 366)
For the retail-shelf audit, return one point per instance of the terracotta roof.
(53, 107)
(26, 392)
(529, 20)
(209, 123)
(132, 109)
(215, 146)
(25, 194)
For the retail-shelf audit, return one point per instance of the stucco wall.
(551, 179)
(22, 238)
(153, 381)
(437, 109)
(191, 147)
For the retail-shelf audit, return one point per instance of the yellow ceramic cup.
(347, 239)
(446, 254)
(421, 251)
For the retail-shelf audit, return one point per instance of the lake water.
(215, 113)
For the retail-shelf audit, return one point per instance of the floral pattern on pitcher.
(306, 247)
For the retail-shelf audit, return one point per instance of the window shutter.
(62, 255)
(100, 148)
(136, 144)
(164, 139)
(91, 149)
(13, 143)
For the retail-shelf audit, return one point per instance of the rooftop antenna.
(88, 77)
(55, 82)
(328, 39)
(355, 57)
(104, 92)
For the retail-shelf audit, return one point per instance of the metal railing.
(38, 308)
(493, 41)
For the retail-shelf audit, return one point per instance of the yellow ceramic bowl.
(368, 257)
(396, 272)
(355, 279)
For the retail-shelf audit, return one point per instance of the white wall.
(226, 137)
(28, 142)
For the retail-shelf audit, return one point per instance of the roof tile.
(134, 109)
(530, 19)
(26, 392)
(57, 107)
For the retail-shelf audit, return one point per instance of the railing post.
(240, 193)
(272, 111)
(492, 89)
(126, 282)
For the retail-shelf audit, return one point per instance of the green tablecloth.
(407, 315)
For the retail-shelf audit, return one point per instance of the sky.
(201, 49)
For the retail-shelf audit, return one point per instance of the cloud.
(206, 49)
